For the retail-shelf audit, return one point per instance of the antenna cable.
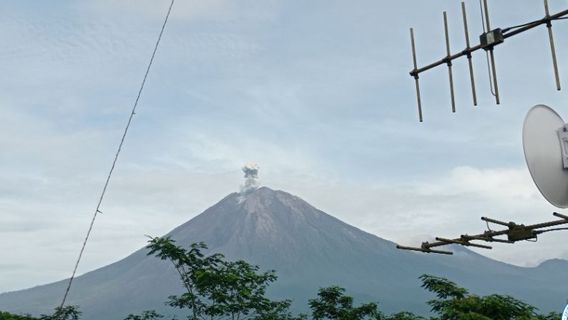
(132, 113)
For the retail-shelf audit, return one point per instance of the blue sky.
(317, 93)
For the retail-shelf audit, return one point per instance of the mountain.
(309, 249)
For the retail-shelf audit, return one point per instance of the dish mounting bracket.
(563, 137)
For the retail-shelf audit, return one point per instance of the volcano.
(309, 249)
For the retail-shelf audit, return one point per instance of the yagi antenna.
(488, 40)
(514, 232)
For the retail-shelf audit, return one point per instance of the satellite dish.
(545, 142)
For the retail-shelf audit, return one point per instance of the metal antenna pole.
(491, 54)
(449, 62)
(494, 74)
(414, 73)
(552, 47)
(468, 54)
(486, 12)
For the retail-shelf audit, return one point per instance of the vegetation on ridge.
(216, 288)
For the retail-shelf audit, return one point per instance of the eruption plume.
(251, 178)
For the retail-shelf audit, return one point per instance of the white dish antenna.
(545, 142)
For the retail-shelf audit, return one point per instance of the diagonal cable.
(132, 113)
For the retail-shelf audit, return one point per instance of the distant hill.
(309, 249)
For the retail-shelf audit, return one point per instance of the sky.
(317, 93)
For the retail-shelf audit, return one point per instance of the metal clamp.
(563, 137)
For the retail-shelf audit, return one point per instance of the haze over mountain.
(309, 249)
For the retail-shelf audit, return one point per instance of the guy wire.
(132, 113)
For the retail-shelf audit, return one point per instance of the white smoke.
(251, 178)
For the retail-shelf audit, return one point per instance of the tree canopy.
(217, 288)
(456, 303)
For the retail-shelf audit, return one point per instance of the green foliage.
(443, 288)
(332, 303)
(63, 313)
(550, 316)
(146, 315)
(9, 316)
(217, 288)
(455, 303)
(280, 311)
(404, 316)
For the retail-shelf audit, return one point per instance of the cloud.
(157, 9)
(490, 184)
(447, 206)
(218, 11)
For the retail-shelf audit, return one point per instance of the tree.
(550, 316)
(217, 288)
(60, 313)
(404, 316)
(333, 304)
(146, 315)
(456, 303)
(9, 316)
(63, 313)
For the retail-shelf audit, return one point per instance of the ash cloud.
(251, 178)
